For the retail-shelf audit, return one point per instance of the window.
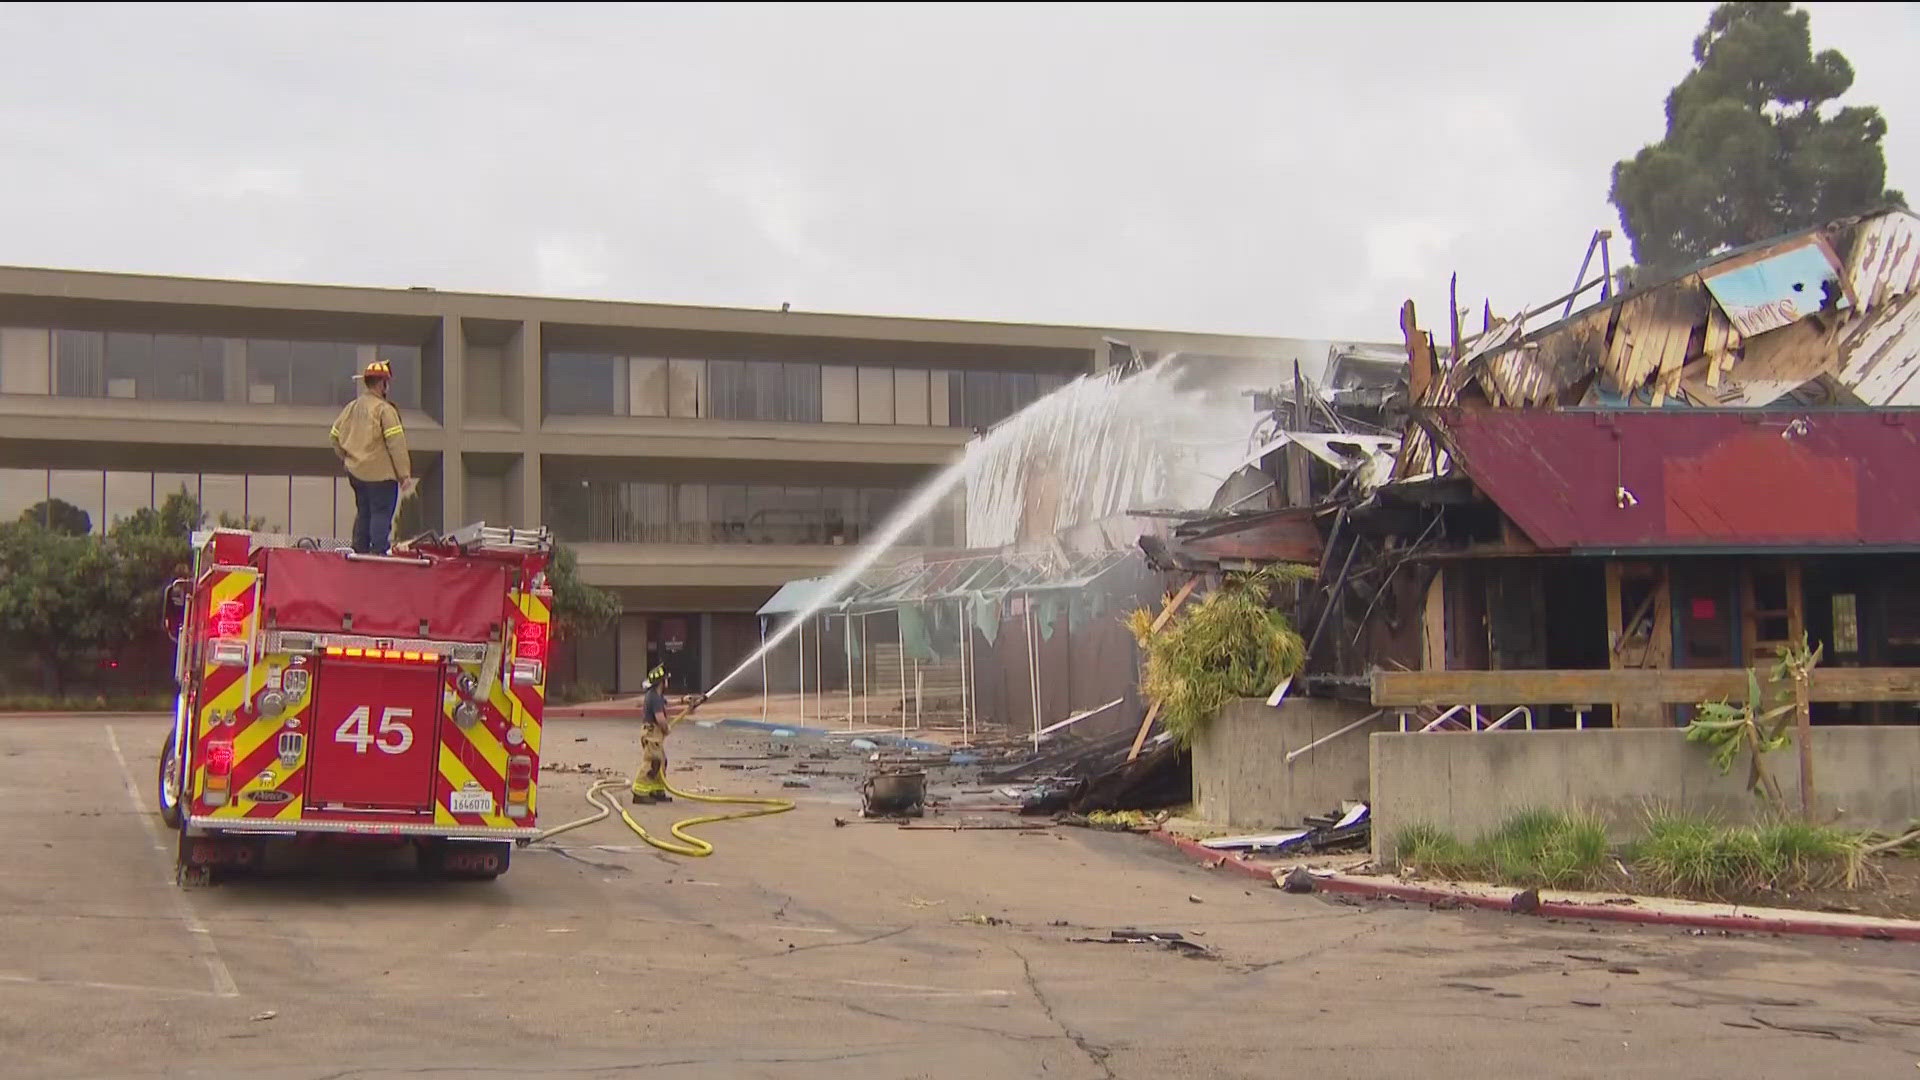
(692, 524)
(803, 392)
(646, 386)
(322, 372)
(876, 395)
(166, 485)
(645, 512)
(343, 509)
(312, 511)
(79, 360)
(686, 388)
(187, 368)
(20, 491)
(586, 384)
(731, 390)
(910, 397)
(839, 395)
(939, 395)
(25, 361)
(269, 501)
(127, 494)
(223, 497)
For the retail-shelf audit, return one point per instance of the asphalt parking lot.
(804, 949)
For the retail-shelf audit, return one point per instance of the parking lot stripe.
(223, 984)
(84, 984)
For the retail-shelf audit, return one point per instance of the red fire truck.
(380, 700)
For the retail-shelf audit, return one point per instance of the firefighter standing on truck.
(372, 446)
(650, 783)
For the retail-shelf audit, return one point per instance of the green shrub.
(1541, 848)
(1697, 856)
(1430, 849)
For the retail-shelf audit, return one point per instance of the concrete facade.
(696, 457)
(1865, 777)
(1241, 776)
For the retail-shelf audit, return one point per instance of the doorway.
(673, 644)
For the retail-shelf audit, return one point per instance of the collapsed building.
(1594, 514)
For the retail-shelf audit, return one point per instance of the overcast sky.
(1294, 170)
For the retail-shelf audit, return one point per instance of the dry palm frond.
(1230, 645)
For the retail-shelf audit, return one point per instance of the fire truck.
(330, 697)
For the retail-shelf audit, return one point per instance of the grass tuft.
(1429, 849)
(1542, 848)
(1698, 856)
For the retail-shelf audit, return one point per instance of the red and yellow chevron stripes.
(257, 767)
(475, 755)
(229, 613)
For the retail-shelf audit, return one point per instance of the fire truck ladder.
(481, 536)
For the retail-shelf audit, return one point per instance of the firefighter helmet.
(377, 369)
(656, 676)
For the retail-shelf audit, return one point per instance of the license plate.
(471, 802)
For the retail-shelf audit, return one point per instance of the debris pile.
(1350, 830)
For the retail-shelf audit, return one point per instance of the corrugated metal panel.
(1692, 478)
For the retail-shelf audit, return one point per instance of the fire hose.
(604, 796)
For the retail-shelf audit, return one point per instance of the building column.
(522, 356)
(453, 422)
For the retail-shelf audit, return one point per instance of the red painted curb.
(1563, 909)
(1217, 860)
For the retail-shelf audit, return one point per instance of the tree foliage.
(1751, 150)
(68, 598)
(60, 516)
(579, 609)
(61, 598)
(1233, 644)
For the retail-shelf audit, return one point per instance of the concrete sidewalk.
(1567, 904)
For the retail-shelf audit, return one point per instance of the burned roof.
(1827, 316)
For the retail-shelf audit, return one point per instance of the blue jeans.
(374, 502)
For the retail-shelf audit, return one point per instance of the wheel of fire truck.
(213, 857)
(169, 786)
(464, 860)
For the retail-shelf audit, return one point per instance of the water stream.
(1164, 438)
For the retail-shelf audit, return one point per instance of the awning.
(794, 596)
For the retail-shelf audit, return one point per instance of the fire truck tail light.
(532, 643)
(526, 672)
(230, 653)
(219, 772)
(519, 783)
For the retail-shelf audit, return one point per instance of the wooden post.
(1433, 625)
(1153, 709)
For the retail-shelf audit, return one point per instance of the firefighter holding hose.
(650, 783)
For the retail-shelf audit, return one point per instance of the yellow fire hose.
(690, 845)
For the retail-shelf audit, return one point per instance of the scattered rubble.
(1166, 939)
